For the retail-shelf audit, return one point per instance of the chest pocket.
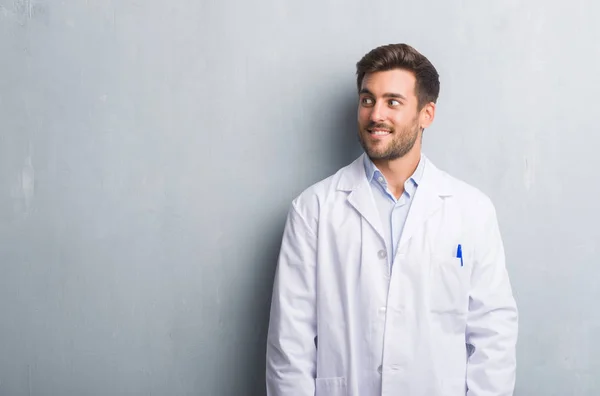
(449, 288)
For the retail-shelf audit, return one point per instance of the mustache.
(379, 125)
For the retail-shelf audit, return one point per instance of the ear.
(426, 115)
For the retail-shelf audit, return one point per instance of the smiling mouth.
(379, 132)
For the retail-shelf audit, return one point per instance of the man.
(391, 278)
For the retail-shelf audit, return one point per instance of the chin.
(375, 155)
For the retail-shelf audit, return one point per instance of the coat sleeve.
(492, 323)
(291, 349)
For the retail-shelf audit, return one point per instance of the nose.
(377, 113)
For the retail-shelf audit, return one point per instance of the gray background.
(149, 151)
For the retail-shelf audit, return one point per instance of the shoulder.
(470, 194)
(309, 202)
(467, 196)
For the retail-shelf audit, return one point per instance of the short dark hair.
(402, 56)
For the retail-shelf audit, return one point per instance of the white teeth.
(381, 133)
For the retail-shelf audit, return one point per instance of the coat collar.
(354, 177)
(433, 188)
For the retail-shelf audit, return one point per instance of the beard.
(403, 140)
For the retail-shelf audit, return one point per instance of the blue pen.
(459, 254)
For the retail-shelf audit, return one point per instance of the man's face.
(389, 123)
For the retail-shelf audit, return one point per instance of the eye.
(393, 102)
(367, 101)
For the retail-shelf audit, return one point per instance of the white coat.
(343, 323)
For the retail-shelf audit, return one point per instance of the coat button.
(382, 254)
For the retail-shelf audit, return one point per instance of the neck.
(398, 170)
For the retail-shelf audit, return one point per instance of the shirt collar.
(373, 174)
(370, 168)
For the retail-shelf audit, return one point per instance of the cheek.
(363, 115)
(401, 119)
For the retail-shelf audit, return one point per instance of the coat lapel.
(354, 180)
(427, 201)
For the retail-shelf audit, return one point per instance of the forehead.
(398, 81)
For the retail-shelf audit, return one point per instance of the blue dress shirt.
(393, 212)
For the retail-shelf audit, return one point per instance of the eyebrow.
(385, 95)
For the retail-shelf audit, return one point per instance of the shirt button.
(382, 254)
(380, 179)
(379, 369)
